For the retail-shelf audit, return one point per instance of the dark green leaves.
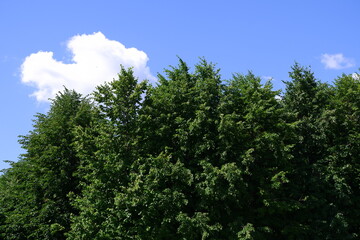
(195, 157)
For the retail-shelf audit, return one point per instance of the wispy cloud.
(336, 61)
(95, 59)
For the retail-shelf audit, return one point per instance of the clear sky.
(47, 44)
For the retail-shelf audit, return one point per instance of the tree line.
(194, 157)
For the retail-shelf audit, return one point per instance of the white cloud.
(267, 78)
(278, 97)
(336, 61)
(95, 59)
(356, 76)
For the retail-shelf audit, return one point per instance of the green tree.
(307, 101)
(344, 148)
(142, 185)
(107, 148)
(198, 152)
(254, 156)
(37, 204)
(194, 157)
(188, 118)
(18, 198)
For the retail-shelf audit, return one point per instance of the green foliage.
(194, 157)
(107, 149)
(307, 100)
(344, 145)
(35, 190)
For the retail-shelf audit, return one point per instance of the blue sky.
(46, 44)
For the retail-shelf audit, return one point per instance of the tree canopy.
(192, 157)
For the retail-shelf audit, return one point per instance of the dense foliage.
(194, 157)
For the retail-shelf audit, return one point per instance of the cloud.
(95, 59)
(336, 61)
(356, 76)
(267, 78)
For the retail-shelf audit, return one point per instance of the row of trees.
(195, 157)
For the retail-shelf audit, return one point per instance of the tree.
(107, 148)
(18, 197)
(45, 176)
(307, 101)
(254, 157)
(194, 157)
(342, 162)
